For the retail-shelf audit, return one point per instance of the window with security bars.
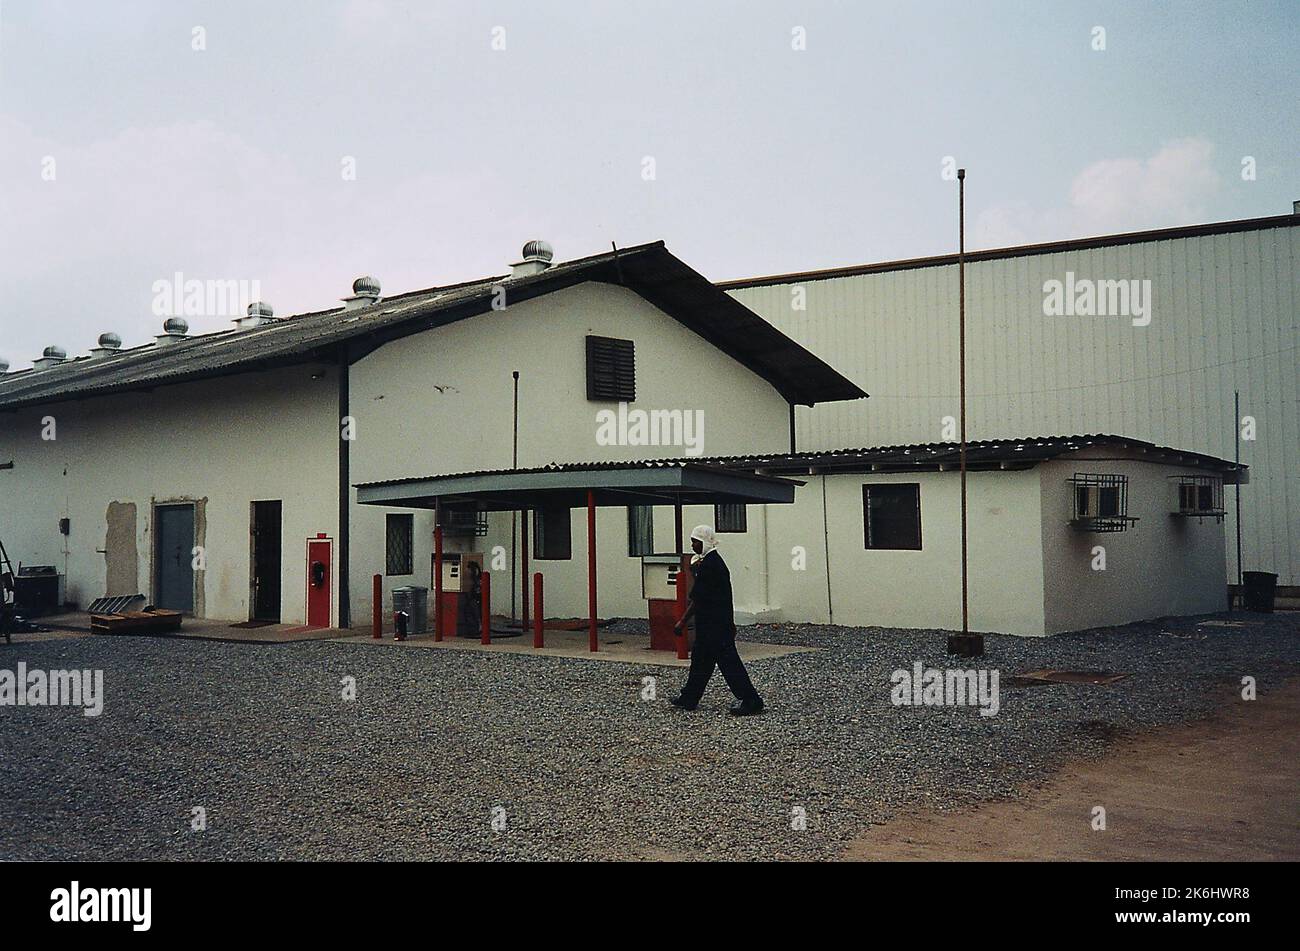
(892, 516)
(1100, 502)
(401, 534)
(1200, 496)
(640, 530)
(611, 369)
(730, 518)
(552, 534)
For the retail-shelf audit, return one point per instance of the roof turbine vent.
(259, 312)
(365, 291)
(52, 357)
(174, 328)
(109, 344)
(537, 257)
(4, 366)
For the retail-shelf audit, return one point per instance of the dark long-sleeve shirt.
(712, 594)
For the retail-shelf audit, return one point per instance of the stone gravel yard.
(437, 743)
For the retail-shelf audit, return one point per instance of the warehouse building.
(271, 470)
(1221, 318)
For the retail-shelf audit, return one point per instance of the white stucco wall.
(885, 588)
(1163, 565)
(922, 589)
(221, 443)
(441, 401)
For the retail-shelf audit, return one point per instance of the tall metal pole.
(1236, 491)
(965, 644)
(514, 516)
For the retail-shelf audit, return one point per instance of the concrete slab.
(616, 648)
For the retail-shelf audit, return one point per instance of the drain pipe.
(514, 516)
(345, 492)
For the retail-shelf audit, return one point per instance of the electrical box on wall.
(65, 526)
(455, 568)
(659, 577)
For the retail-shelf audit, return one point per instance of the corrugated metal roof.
(996, 453)
(647, 482)
(650, 270)
(1019, 453)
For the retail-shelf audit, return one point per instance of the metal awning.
(567, 486)
(574, 485)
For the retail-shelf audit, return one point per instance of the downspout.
(792, 448)
(826, 546)
(345, 493)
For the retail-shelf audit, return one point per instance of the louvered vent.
(611, 369)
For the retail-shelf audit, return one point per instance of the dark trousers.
(716, 647)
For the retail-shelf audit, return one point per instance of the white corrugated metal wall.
(1224, 318)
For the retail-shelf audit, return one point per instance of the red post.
(377, 608)
(591, 570)
(682, 574)
(437, 582)
(486, 581)
(537, 610)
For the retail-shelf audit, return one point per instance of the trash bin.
(1258, 588)
(413, 601)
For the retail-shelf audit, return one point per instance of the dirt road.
(1226, 788)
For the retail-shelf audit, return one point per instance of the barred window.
(1200, 496)
(401, 532)
(730, 518)
(1100, 502)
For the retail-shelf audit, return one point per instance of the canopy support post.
(591, 571)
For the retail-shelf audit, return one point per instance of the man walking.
(715, 630)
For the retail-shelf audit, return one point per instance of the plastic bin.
(1258, 590)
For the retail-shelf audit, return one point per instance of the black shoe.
(681, 704)
(746, 708)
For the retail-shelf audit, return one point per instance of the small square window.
(730, 518)
(552, 539)
(892, 515)
(401, 532)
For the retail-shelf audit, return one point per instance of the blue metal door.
(174, 558)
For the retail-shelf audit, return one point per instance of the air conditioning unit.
(463, 523)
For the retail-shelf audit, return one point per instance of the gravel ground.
(437, 742)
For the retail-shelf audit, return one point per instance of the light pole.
(964, 644)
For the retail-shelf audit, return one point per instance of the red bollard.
(682, 574)
(537, 610)
(486, 594)
(377, 608)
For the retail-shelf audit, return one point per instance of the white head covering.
(708, 541)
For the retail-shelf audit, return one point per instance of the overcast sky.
(127, 154)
